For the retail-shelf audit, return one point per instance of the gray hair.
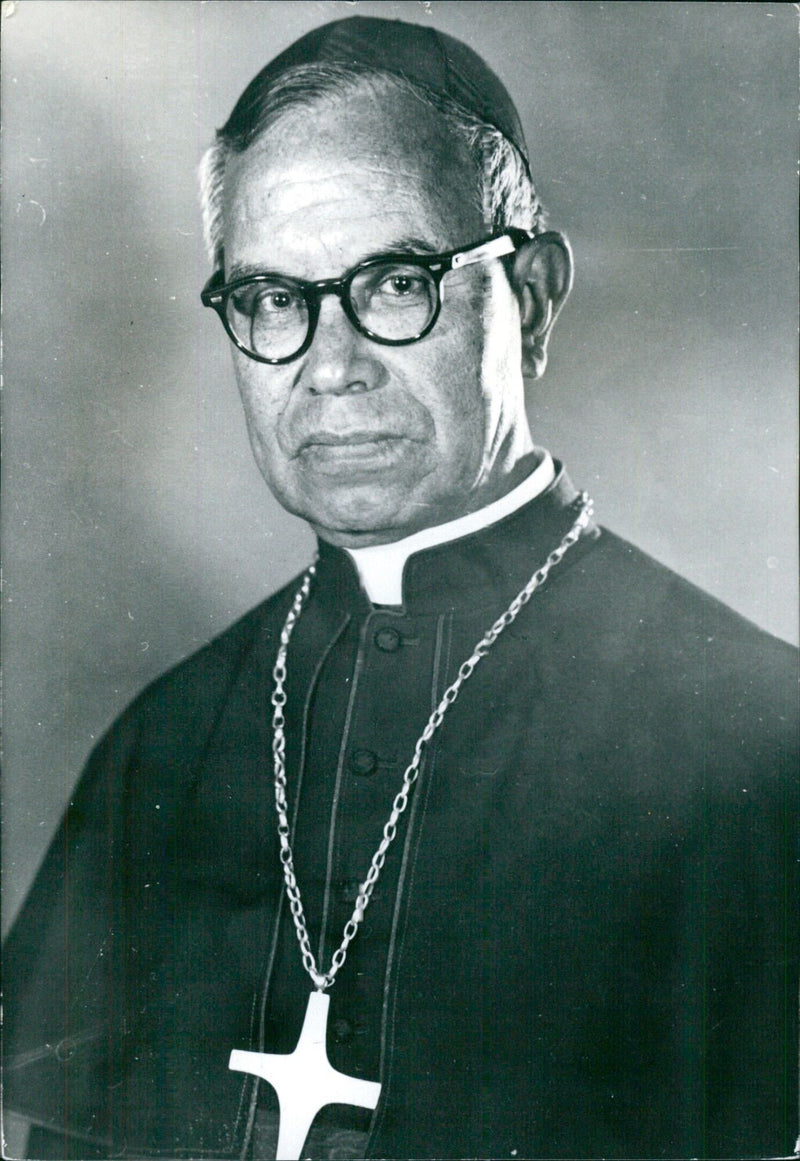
(504, 192)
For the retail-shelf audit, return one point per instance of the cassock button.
(388, 640)
(363, 762)
(348, 893)
(342, 1031)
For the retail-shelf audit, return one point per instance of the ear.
(542, 279)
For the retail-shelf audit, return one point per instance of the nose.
(337, 362)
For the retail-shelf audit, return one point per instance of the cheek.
(458, 382)
(502, 331)
(263, 400)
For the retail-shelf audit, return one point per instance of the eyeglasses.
(394, 299)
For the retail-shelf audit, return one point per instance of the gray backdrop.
(663, 137)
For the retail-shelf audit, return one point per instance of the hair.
(503, 192)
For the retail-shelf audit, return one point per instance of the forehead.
(347, 176)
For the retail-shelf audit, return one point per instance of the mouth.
(365, 448)
(347, 438)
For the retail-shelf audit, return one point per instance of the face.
(367, 442)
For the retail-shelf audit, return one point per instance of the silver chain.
(320, 980)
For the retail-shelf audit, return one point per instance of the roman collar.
(484, 568)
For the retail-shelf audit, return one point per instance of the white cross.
(305, 1080)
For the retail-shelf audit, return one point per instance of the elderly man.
(476, 840)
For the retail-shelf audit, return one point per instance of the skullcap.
(421, 54)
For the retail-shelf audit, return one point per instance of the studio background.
(663, 140)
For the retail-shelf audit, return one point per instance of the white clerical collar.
(380, 566)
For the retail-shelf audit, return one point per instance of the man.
(489, 814)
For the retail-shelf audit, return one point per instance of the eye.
(274, 300)
(401, 284)
(266, 300)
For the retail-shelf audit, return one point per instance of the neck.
(381, 566)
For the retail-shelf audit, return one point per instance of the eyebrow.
(406, 244)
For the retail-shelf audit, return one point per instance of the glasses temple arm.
(495, 248)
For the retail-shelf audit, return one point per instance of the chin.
(343, 505)
(360, 521)
(358, 528)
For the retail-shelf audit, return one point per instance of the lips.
(353, 452)
(335, 439)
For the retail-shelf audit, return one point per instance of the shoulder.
(650, 602)
(668, 697)
(683, 656)
(181, 704)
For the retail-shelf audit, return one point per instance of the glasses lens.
(394, 300)
(269, 318)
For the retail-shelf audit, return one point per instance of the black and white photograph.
(400, 580)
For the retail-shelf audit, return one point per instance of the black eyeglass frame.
(216, 292)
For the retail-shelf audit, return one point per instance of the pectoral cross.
(305, 1080)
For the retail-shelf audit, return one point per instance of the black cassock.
(584, 941)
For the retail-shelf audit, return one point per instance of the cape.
(583, 943)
